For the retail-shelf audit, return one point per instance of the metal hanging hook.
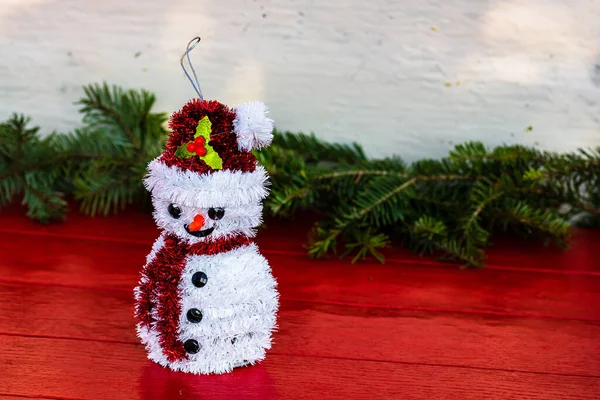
(190, 46)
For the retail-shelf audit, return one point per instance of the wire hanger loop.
(195, 84)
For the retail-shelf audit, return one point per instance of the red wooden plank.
(313, 336)
(69, 262)
(7, 397)
(59, 311)
(439, 289)
(582, 256)
(524, 344)
(136, 226)
(132, 224)
(74, 369)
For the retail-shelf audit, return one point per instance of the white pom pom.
(253, 127)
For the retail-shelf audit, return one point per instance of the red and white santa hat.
(207, 160)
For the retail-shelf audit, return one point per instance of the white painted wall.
(400, 77)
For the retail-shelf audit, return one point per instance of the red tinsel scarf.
(160, 289)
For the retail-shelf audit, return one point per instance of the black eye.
(216, 213)
(174, 211)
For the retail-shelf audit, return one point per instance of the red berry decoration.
(197, 146)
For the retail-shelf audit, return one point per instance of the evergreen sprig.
(110, 153)
(29, 169)
(450, 207)
(101, 164)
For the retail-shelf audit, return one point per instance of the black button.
(199, 279)
(191, 346)
(194, 315)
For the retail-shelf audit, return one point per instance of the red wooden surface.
(525, 327)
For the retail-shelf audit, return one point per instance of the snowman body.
(227, 305)
(207, 300)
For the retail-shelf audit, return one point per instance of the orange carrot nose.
(197, 224)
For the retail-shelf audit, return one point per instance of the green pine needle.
(30, 168)
(121, 135)
(450, 207)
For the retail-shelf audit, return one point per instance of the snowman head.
(207, 184)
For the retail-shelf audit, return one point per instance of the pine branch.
(434, 201)
(285, 203)
(365, 242)
(314, 150)
(544, 221)
(456, 250)
(103, 195)
(29, 167)
(467, 192)
(358, 174)
(44, 204)
(483, 194)
(429, 228)
(356, 214)
(450, 206)
(362, 207)
(120, 137)
(103, 106)
(10, 186)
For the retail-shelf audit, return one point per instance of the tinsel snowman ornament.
(207, 301)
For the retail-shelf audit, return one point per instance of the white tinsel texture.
(238, 303)
(252, 125)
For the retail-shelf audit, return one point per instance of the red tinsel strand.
(162, 287)
(167, 266)
(143, 307)
(219, 246)
(183, 124)
(146, 298)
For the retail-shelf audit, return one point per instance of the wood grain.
(306, 329)
(10, 397)
(97, 264)
(286, 236)
(120, 371)
(526, 327)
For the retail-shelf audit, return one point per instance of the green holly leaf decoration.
(182, 152)
(200, 147)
